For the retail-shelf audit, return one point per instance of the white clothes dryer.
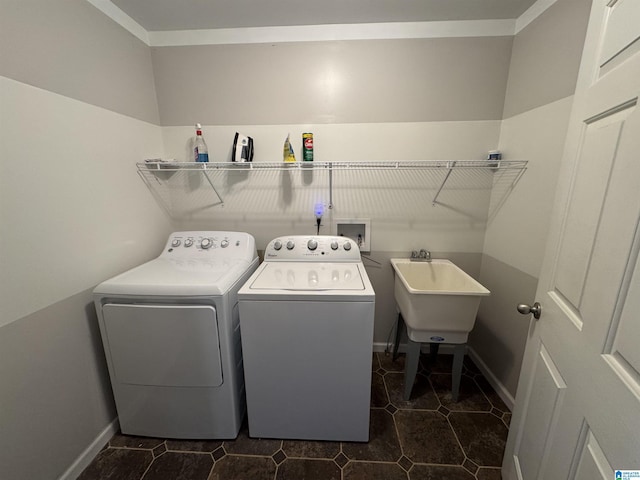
(171, 337)
(306, 317)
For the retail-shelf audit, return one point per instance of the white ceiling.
(167, 15)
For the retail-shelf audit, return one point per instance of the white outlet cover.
(352, 227)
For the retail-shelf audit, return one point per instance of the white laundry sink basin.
(438, 300)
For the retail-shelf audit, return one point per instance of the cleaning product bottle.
(307, 147)
(288, 155)
(200, 150)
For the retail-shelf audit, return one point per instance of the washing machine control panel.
(199, 244)
(312, 248)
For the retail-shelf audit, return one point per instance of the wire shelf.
(491, 165)
(189, 190)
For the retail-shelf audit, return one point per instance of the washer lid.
(315, 276)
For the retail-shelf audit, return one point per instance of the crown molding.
(316, 33)
(121, 18)
(533, 12)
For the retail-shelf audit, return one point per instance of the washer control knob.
(224, 243)
(290, 245)
(206, 243)
(175, 242)
(334, 245)
(347, 246)
(277, 245)
(188, 242)
(312, 244)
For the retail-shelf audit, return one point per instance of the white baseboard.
(500, 389)
(86, 457)
(382, 346)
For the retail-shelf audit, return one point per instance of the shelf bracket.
(330, 186)
(221, 201)
(446, 177)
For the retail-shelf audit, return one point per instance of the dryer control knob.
(206, 243)
(175, 243)
(290, 245)
(334, 245)
(312, 244)
(347, 246)
(277, 245)
(188, 242)
(224, 243)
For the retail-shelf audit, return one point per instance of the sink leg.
(399, 328)
(433, 352)
(411, 366)
(456, 371)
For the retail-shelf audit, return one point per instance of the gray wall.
(542, 77)
(78, 110)
(71, 48)
(56, 394)
(420, 80)
(546, 56)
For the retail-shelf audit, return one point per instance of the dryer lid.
(315, 276)
(163, 276)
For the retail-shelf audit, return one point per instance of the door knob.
(525, 309)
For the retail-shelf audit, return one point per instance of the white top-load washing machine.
(171, 336)
(306, 317)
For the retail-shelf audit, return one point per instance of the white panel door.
(577, 412)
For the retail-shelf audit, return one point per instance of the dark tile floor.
(425, 438)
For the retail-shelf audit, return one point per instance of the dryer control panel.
(312, 248)
(210, 244)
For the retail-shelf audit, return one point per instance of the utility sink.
(438, 300)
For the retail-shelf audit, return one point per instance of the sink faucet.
(422, 256)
